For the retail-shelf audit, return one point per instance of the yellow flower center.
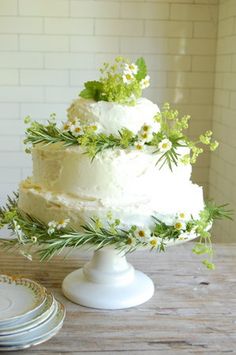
(66, 126)
(182, 215)
(145, 128)
(153, 242)
(128, 76)
(139, 147)
(178, 225)
(141, 234)
(78, 129)
(164, 145)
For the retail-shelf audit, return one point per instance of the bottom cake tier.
(51, 206)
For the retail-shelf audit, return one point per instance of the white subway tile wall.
(49, 48)
(222, 178)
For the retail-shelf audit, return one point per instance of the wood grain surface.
(193, 310)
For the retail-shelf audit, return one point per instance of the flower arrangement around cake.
(109, 128)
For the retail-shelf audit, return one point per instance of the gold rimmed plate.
(39, 334)
(20, 298)
(19, 326)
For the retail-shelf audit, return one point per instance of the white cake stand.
(108, 281)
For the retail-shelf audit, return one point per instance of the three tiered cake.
(116, 176)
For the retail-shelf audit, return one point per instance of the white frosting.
(112, 117)
(46, 206)
(115, 177)
(66, 184)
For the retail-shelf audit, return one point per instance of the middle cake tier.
(115, 177)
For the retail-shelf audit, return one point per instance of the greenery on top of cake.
(121, 82)
(56, 235)
(164, 140)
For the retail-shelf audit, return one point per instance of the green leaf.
(92, 90)
(208, 264)
(200, 249)
(142, 69)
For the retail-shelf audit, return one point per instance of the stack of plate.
(29, 315)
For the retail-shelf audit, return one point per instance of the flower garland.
(57, 235)
(121, 82)
(165, 139)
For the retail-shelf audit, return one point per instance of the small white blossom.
(145, 136)
(183, 216)
(52, 226)
(63, 223)
(139, 144)
(153, 242)
(180, 225)
(131, 241)
(144, 83)
(131, 69)
(76, 130)
(165, 145)
(142, 233)
(66, 126)
(127, 78)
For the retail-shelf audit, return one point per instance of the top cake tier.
(111, 117)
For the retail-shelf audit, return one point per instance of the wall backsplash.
(222, 178)
(49, 48)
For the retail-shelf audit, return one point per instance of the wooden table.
(193, 310)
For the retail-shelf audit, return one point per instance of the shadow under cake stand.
(108, 281)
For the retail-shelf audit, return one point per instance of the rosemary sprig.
(30, 231)
(48, 134)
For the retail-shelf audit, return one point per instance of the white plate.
(41, 315)
(19, 298)
(37, 335)
(11, 337)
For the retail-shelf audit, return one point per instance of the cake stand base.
(108, 281)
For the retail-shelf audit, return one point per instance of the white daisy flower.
(144, 83)
(146, 136)
(76, 130)
(153, 242)
(131, 68)
(183, 216)
(127, 78)
(66, 126)
(139, 144)
(146, 128)
(142, 233)
(52, 226)
(180, 225)
(63, 223)
(131, 241)
(165, 145)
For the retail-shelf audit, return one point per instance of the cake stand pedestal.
(108, 281)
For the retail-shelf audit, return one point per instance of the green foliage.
(92, 90)
(111, 85)
(173, 127)
(47, 134)
(142, 69)
(30, 231)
